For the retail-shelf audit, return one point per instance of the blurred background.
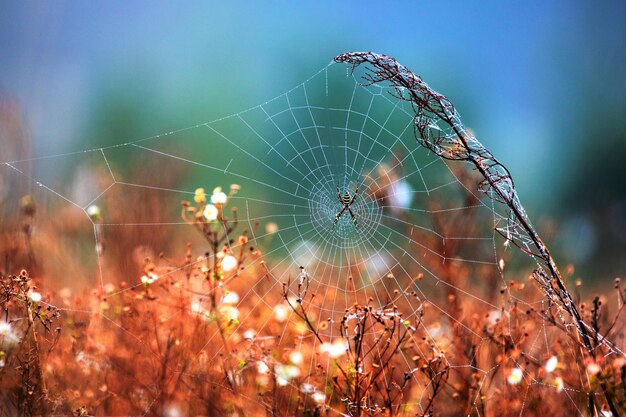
(541, 84)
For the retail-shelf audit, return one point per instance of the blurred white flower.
(558, 383)
(210, 212)
(271, 228)
(319, 397)
(436, 329)
(516, 376)
(281, 312)
(262, 368)
(296, 357)
(551, 364)
(229, 313)
(7, 335)
(494, 316)
(94, 213)
(228, 263)
(593, 368)
(5, 328)
(172, 410)
(336, 349)
(230, 298)
(87, 361)
(401, 195)
(35, 297)
(149, 278)
(285, 373)
(307, 388)
(218, 196)
(290, 371)
(249, 334)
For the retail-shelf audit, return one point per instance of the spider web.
(426, 253)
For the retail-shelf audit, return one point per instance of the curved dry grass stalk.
(438, 127)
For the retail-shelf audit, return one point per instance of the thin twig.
(438, 127)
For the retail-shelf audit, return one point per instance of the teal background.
(541, 84)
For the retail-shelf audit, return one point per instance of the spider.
(346, 200)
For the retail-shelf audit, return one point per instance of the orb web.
(422, 260)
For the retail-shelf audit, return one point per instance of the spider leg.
(339, 195)
(339, 215)
(356, 224)
(354, 197)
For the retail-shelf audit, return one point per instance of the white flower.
(551, 364)
(210, 212)
(402, 194)
(558, 383)
(218, 196)
(5, 329)
(285, 373)
(593, 368)
(94, 213)
(249, 334)
(281, 312)
(262, 368)
(229, 313)
(296, 357)
(319, 397)
(494, 316)
(271, 228)
(516, 376)
(230, 298)
(171, 410)
(7, 336)
(35, 297)
(149, 278)
(228, 263)
(307, 388)
(335, 349)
